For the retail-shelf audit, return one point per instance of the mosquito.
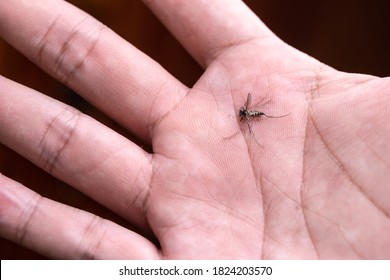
(248, 114)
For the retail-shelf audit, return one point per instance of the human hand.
(309, 185)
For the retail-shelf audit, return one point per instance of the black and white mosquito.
(248, 114)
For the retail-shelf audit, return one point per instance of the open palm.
(313, 184)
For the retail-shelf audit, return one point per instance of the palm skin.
(313, 184)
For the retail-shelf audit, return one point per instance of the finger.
(76, 149)
(91, 59)
(207, 28)
(59, 231)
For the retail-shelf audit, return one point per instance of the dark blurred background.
(349, 35)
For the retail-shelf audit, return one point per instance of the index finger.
(90, 58)
(206, 28)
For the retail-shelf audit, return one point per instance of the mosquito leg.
(276, 117)
(251, 133)
(250, 129)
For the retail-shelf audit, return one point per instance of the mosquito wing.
(248, 101)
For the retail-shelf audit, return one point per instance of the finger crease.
(22, 231)
(65, 61)
(58, 133)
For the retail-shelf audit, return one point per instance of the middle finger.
(94, 61)
(76, 149)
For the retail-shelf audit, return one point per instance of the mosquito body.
(248, 114)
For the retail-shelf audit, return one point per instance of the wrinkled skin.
(313, 184)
